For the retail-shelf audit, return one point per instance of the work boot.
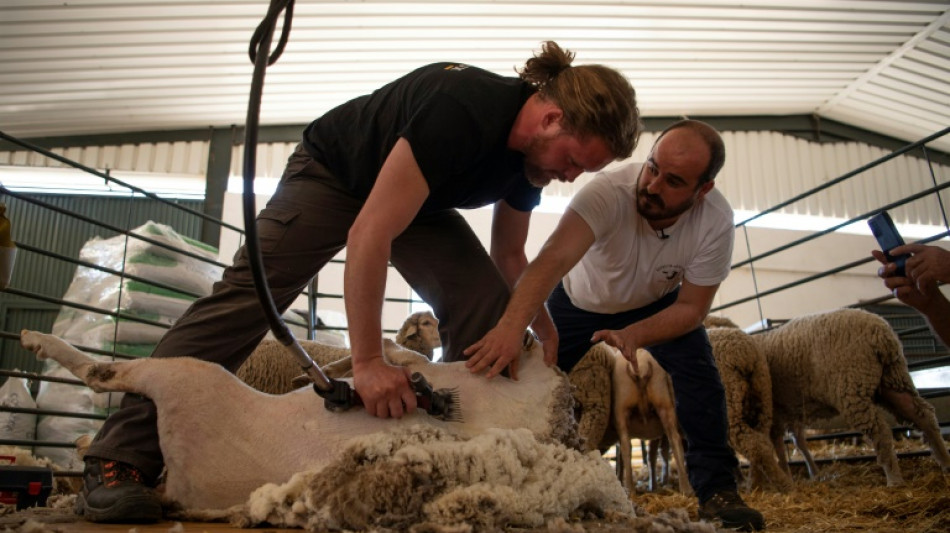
(728, 508)
(116, 492)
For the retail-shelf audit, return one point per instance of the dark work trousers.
(700, 396)
(301, 228)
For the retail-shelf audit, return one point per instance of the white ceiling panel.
(107, 66)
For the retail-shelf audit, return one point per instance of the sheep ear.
(411, 329)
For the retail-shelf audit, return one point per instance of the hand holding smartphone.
(888, 238)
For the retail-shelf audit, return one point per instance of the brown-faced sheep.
(593, 390)
(644, 407)
(846, 362)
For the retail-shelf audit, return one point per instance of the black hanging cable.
(260, 44)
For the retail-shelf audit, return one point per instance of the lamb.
(846, 362)
(270, 368)
(592, 381)
(234, 430)
(644, 407)
(746, 379)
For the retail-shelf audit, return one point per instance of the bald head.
(708, 136)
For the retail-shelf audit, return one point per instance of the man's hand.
(927, 265)
(383, 388)
(919, 294)
(546, 332)
(618, 339)
(499, 348)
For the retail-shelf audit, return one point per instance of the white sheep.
(644, 407)
(420, 333)
(239, 439)
(748, 385)
(273, 369)
(846, 362)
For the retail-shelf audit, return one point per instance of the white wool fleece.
(504, 477)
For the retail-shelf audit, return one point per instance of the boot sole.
(735, 525)
(136, 509)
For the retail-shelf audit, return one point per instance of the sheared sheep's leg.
(138, 376)
(342, 368)
(394, 353)
(652, 447)
(667, 416)
(798, 438)
(919, 412)
(667, 461)
(81, 365)
(397, 355)
(623, 444)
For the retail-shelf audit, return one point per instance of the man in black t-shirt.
(383, 175)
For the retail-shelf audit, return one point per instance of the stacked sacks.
(183, 275)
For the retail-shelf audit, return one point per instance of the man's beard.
(652, 207)
(537, 176)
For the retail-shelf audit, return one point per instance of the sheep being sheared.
(238, 438)
(846, 362)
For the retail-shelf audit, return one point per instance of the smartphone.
(887, 236)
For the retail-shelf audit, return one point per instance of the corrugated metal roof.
(96, 66)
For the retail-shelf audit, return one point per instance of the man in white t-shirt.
(635, 262)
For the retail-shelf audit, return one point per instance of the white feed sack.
(103, 290)
(149, 261)
(17, 426)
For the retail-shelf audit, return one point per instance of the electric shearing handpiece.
(440, 403)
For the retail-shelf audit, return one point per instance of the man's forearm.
(670, 323)
(364, 283)
(938, 318)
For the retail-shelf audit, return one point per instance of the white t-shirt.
(629, 265)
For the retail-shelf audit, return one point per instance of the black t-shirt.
(457, 119)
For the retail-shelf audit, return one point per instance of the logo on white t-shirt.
(670, 272)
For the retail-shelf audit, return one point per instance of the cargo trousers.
(303, 226)
(700, 396)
